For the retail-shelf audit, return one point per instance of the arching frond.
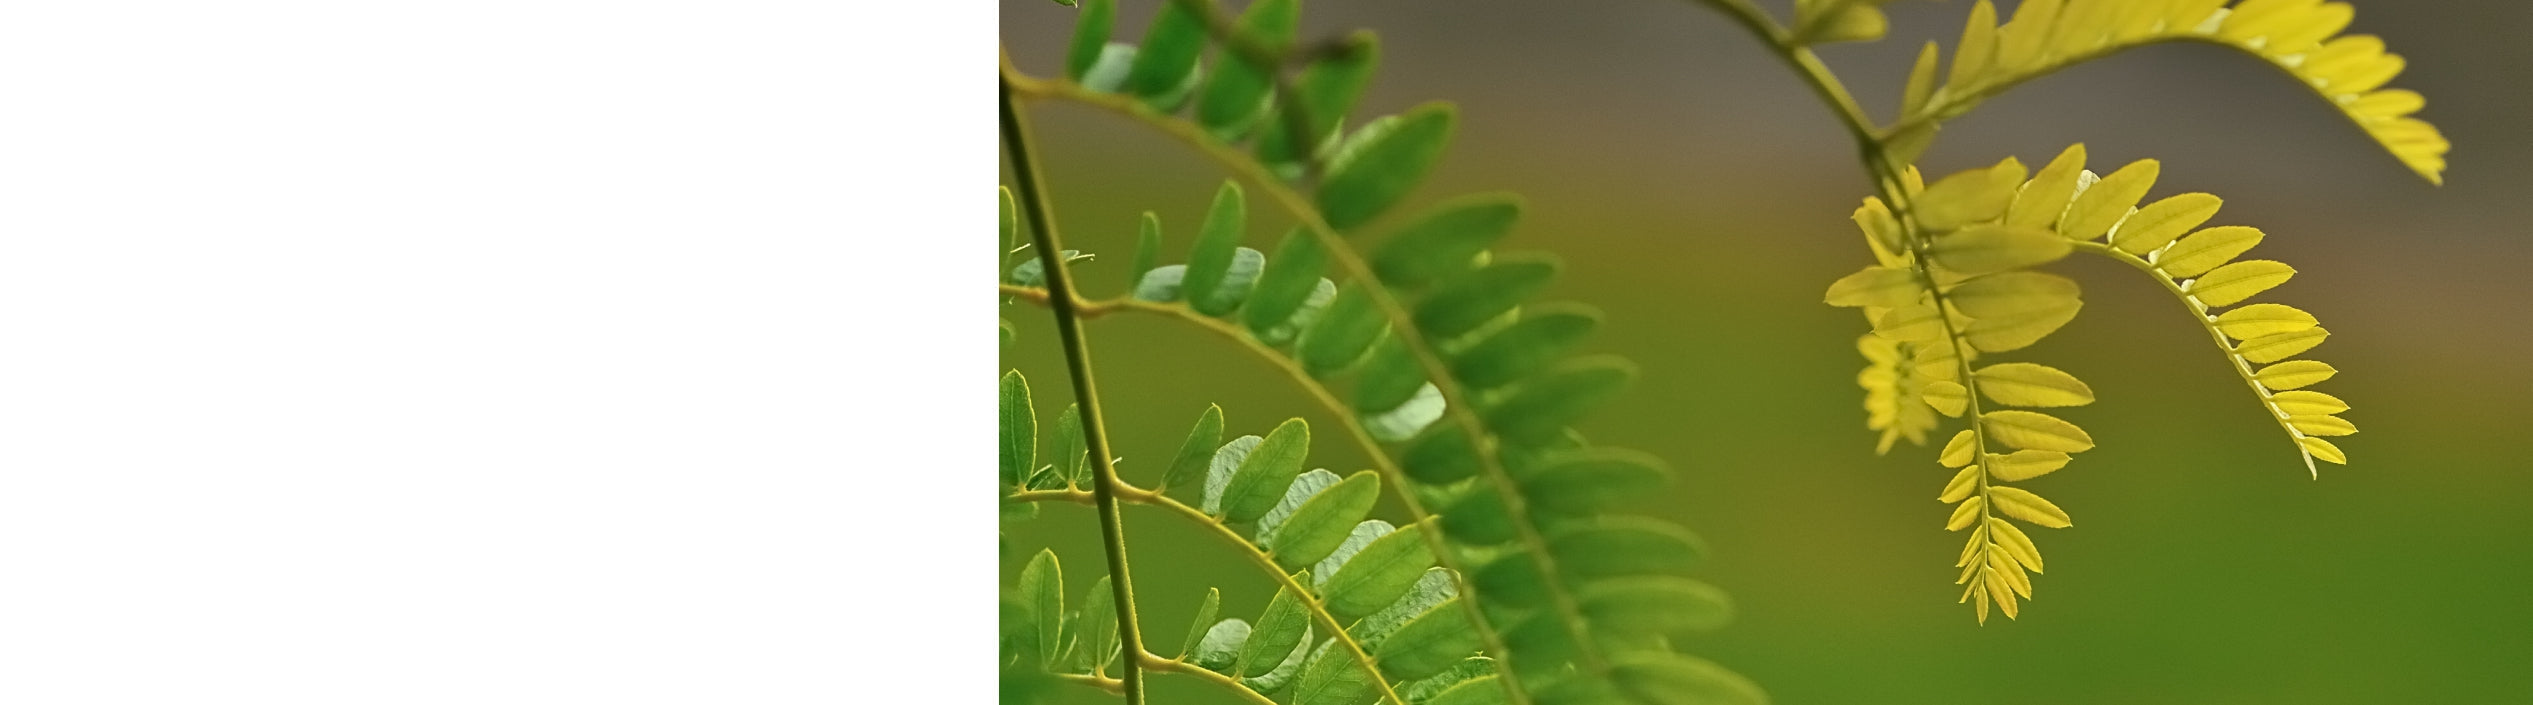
(2300, 37)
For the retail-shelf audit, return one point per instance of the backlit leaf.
(2025, 464)
(1969, 197)
(2259, 320)
(2027, 384)
(1995, 248)
(2109, 200)
(1042, 592)
(2036, 431)
(2323, 449)
(1019, 447)
(2042, 201)
(2307, 403)
(2322, 425)
(2206, 250)
(2238, 281)
(1262, 476)
(2296, 374)
(2020, 504)
(2272, 348)
(2005, 533)
(2159, 223)
(1885, 287)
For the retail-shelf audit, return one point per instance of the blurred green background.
(1699, 195)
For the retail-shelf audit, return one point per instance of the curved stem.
(2199, 312)
(1455, 401)
(1816, 75)
(1318, 611)
(1293, 369)
(1077, 358)
(1157, 664)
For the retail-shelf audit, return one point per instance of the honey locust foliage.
(1513, 576)
(1955, 278)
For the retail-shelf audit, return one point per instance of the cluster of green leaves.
(1954, 279)
(1435, 351)
(1361, 609)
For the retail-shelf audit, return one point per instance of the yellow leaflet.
(2006, 534)
(1882, 232)
(1970, 550)
(2009, 293)
(1962, 485)
(1998, 591)
(2272, 348)
(1969, 197)
(1995, 248)
(1965, 515)
(1921, 80)
(2258, 320)
(1947, 397)
(2017, 331)
(1859, 22)
(2108, 201)
(1888, 287)
(2235, 282)
(2012, 571)
(1963, 448)
(2296, 374)
(2046, 197)
(2020, 504)
(2206, 250)
(2307, 403)
(2323, 449)
(2322, 425)
(2027, 384)
(1914, 323)
(2025, 464)
(1977, 47)
(2036, 431)
(2020, 42)
(2159, 223)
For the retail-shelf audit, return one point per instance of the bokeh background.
(1699, 195)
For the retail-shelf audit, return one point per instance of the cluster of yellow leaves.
(1952, 287)
(2301, 37)
(1954, 282)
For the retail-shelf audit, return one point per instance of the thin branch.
(2199, 312)
(1077, 357)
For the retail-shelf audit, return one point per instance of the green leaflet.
(1481, 690)
(1656, 605)
(1315, 529)
(1304, 487)
(1429, 643)
(1433, 588)
(1209, 261)
(1099, 645)
(1468, 302)
(1165, 64)
(1260, 480)
(1239, 90)
(1042, 593)
(1147, 245)
(1325, 91)
(1321, 293)
(1445, 241)
(1624, 545)
(1674, 678)
(1287, 282)
(1389, 378)
(1363, 535)
(1203, 623)
(1382, 163)
(1283, 628)
(1332, 678)
(1071, 458)
(1238, 280)
(1542, 407)
(1419, 412)
(1284, 673)
(1161, 285)
(1350, 325)
(1220, 650)
(1479, 517)
(1019, 430)
(1543, 335)
(1379, 574)
(1107, 74)
(1587, 481)
(1090, 36)
(1197, 452)
(1218, 471)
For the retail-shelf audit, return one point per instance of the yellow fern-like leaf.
(2300, 37)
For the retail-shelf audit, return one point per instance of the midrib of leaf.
(2199, 312)
(1319, 611)
(1077, 357)
(1455, 399)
